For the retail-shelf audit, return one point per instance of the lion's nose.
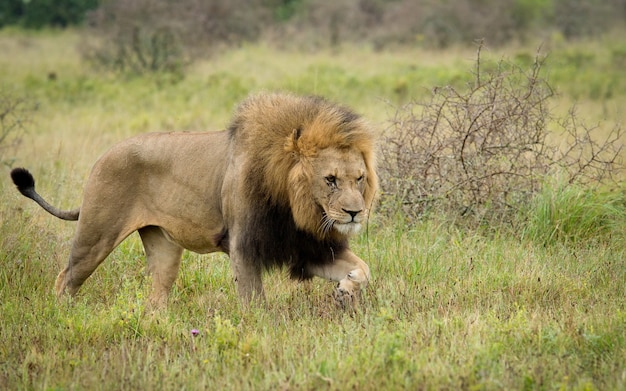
(352, 213)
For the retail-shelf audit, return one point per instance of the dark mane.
(272, 238)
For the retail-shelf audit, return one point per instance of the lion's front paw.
(348, 290)
(345, 294)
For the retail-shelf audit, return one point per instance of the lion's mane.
(279, 134)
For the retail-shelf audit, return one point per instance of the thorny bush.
(15, 114)
(483, 152)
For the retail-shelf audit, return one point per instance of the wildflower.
(194, 332)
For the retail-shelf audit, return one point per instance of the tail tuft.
(26, 185)
(23, 180)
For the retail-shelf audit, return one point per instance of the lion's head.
(331, 190)
(315, 157)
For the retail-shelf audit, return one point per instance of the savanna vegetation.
(497, 252)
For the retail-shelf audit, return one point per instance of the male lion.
(285, 184)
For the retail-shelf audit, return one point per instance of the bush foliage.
(319, 22)
(42, 13)
(156, 35)
(149, 35)
(484, 151)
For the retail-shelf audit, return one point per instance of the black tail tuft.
(22, 179)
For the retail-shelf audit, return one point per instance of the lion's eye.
(331, 180)
(360, 179)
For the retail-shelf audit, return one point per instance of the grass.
(573, 214)
(447, 309)
(539, 307)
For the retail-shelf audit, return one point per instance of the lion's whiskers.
(326, 224)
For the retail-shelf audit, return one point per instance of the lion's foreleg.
(247, 274)
(350, 271)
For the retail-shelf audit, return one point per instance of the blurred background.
(165, 34)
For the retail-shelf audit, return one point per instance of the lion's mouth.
(347, 227)
(350, 228)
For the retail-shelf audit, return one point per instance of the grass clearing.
(539, 307)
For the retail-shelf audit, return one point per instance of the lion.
(286, 184)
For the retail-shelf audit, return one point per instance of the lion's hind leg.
(89, 248)
(163, 257)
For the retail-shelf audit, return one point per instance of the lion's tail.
(26, 185)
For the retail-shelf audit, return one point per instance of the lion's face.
(335, 182)
(338, 183)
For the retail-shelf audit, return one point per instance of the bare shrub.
(15, 114)
(484, 151)
(134, 36)
(139, 36)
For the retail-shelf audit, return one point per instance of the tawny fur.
(285, 185)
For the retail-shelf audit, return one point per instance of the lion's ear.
(292, 142)
(300, 146)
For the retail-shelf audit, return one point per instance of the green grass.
(446, 309)
(539, 307)
(575, 214)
